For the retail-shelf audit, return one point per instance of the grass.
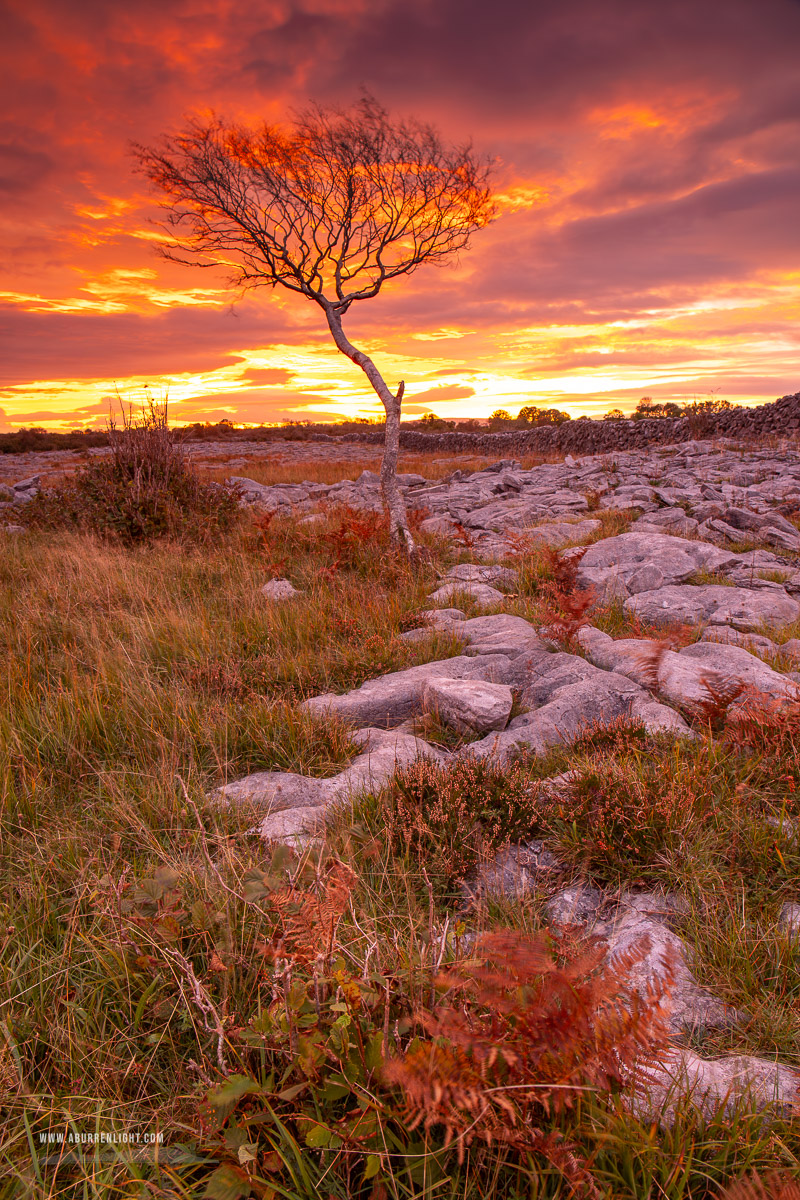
(157, 964)
(354, 460)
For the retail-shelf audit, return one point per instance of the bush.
(145, 489)
(447, 818)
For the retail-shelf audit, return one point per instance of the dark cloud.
(96, 345)
(22, 169)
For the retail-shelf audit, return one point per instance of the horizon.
(647, 180)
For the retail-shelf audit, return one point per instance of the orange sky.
(647, 168)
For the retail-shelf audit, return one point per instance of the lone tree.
(332, 208)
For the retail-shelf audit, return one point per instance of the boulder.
(743, 608)
(297, 798)
(576, 905)
(442, 618)
(388, 701)
(625, 555)
(756, 643)
(789, 920)
(573, 707)
(680, 677)
(563, 533)
(501, 633)
(501, 515)
(514, 872)
(481, 593)
(292, 826)
(440, 526)
(483, 573)
(661, 1087)
(469, 705)
(666, 520)
(645, 919)
(646, 578)
(746, 519)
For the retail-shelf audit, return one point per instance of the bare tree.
(331, 207)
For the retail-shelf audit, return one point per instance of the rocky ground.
(711, 547)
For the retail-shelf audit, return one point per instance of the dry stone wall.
(600, 437)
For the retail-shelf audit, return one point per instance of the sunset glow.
(647, 239)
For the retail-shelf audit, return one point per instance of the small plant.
(775, 1186)
(519, 1039)
(447, 818)
(567, 605)
(714, 708)
(144, 490)
(616, 816)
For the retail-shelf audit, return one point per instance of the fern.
(775, 1186)
(720, 693)
(519, 1038)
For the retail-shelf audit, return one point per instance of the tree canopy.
(331, 207)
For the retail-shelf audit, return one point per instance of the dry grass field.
(188, 1012)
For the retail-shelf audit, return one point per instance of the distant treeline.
(36, 439)
(23, 440)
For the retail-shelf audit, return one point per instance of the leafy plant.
(616, 819)
(568, 605)
(517, 1041)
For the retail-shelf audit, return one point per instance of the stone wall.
(598, 437)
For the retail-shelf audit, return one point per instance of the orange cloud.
(647, 240)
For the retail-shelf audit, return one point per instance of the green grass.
(141, 926)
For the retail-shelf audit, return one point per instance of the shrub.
(143, 490)
(616, 819)
(449, 817)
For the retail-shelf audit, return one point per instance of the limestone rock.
(646, 578)
(563, 533)
(469, 705)
(441, 526)
(442, 618)
(679, 677)
(301, 802)
(572, 708)
(789, 920)
(575, 905)
(483, 573)
(514, 872)
(756, 643)
(623, 556)
(501, 633)
(666, 520)
(292, 826)
(481, 593)
(712, 1085)
(665, 964)
(387, 701)
(743, 608)
(501, 515)
(279, 589)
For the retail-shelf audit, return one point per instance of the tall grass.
(163, 972)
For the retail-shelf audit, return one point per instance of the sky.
(647, 170)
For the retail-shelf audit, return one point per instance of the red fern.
(520, 1038)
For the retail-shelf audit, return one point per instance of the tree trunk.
(392, 496)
